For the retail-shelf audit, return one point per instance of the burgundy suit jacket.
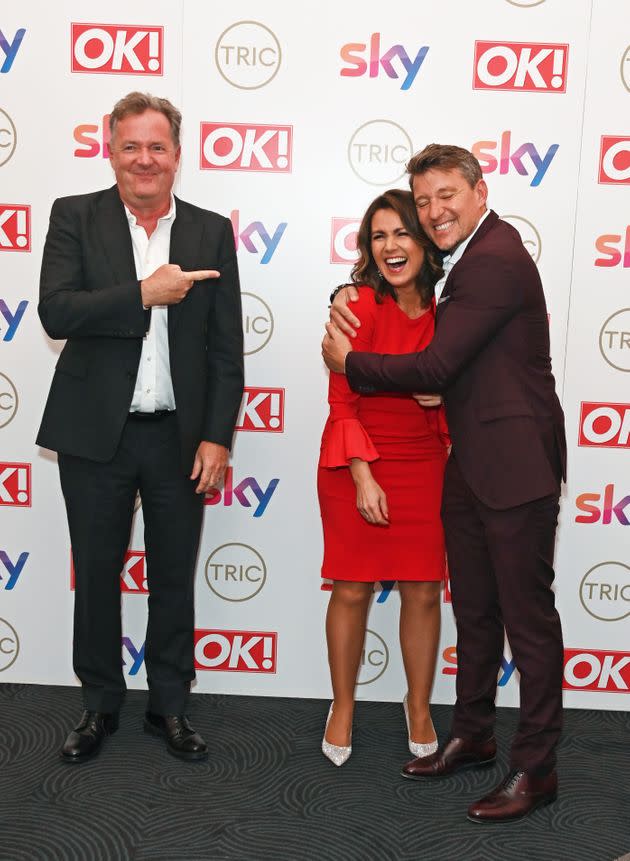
(490, 360)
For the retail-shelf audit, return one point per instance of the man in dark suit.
(145, 395)
(490, 361)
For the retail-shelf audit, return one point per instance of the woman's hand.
(372, 503)
(371, 499)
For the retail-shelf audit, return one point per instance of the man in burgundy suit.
(490, 361)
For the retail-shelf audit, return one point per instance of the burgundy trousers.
(501, 570)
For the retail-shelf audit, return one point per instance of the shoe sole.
(77, 760)
(189, 756)
(540, 804)
(486, 763)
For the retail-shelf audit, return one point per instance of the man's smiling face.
(449, 209)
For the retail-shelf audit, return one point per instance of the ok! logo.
(116, 49)
(362, 58)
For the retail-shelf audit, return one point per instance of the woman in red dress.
(380, 477)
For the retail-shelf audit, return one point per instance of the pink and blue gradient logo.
(10, 319)
(133, 656)
(596, 507)
(363, 58)
(614, 249)
(266, 241)
(449, 667)
(9, 49)
(525, 159)
(92, 139)
(10, 569)
(248, 493)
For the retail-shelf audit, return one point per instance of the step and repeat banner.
(295, 118)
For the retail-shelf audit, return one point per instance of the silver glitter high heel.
(418, 748)
(336, 754)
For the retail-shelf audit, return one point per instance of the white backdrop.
(295, 117)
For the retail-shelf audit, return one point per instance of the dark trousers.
(501, 568)
(99, 502)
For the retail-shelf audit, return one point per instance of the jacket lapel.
(484, 229)
(112, 230)
(186, 236)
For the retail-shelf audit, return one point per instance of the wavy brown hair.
(365, 270)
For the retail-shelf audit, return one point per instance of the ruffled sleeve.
(344, 439)
(344, 436)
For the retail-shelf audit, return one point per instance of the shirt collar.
(452, 258)
(170, 215)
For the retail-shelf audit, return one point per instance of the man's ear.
(482, 192)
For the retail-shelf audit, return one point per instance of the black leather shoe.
(86, 738)
(457, 753)
(515, 797)
(181, 738)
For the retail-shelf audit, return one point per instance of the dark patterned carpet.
(266, 791)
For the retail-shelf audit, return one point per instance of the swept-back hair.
(445, 157)
(137, 103)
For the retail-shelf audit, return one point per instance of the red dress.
(405, 445)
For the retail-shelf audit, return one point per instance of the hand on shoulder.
(350, 306)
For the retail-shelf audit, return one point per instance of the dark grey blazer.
(89, 294)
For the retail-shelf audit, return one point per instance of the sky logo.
(246, 492)
(11, 318)
(12, 570)
(450, 666)
(134, 656)
(10, 49)
(93, 140)
(361, 59)
(593, 510)
(386, 588)
(269, 241)
(522, 159)
(614, 248)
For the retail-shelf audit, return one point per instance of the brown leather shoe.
(515, 797)
(456, 754)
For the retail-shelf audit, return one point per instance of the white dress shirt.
(154, 388)
(451, 259)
